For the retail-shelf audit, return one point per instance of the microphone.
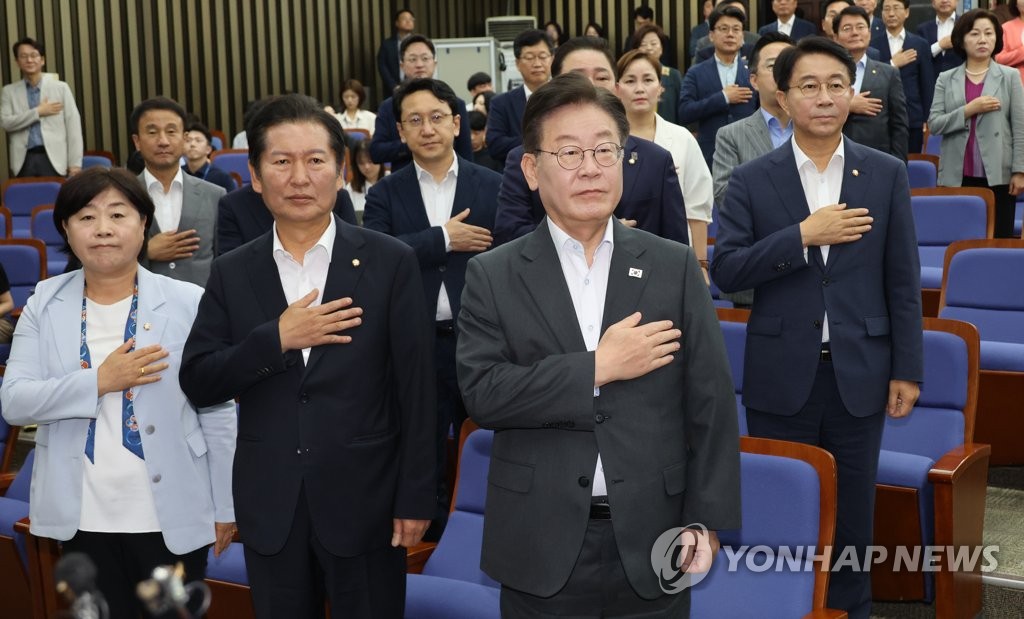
(75, 574)
(167, 591)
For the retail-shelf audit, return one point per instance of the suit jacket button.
(599, 418)
(442, 268)
(157, 478)
(817, 324)
(583, 481)
(150, 429)
(826, 282)
(304, 398)
(171, 265)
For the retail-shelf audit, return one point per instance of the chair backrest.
(21, 195)
(43, 227)
(92, 161)
(457, 555)
(945, 411)
(734, 330)
(5, 222)
(922, 174)
(775, 561)
(217, 139)
(946, 214)
(97, 155)
(358, 134)
(983, 283)
(934, 145)
(24, 261)
(19, 488)
(232, 160)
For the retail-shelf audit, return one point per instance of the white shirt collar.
(792, 20)
(326, 241)
(527, 91)
(150, 180)
(802, 158)
(722, 63)
(952, 18)
(899, 36)
(422, 174)
(561, 238)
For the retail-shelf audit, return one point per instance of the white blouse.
(365, 119)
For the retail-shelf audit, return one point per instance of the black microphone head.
(75, 572)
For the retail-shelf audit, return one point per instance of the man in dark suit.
(652, 199)
(242, 216)
(717, 91)
(319, 329)
(388, 56)
(912, 58)
(878, 111)
(823, 231)
(443, 207)
(787, 22)
(876, 23)
(593, 350)
(938, 33)
(706, 48)
(701, 30)
(386, 146)
(533, 51)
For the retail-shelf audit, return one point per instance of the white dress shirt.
(297, 279)
(726, 73)
(943, 29)
(786, 28)
(588, 285)
(896, 42)
(168, 204)
(364, 119)
(694, 176)
(438, 199)
(821, 189)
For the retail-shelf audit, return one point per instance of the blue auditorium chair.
(45, 230)
(5, 222)
(21, 195)
(922, 170)
(734, 330)
(229, 584)
(101, 158)
(24, 262)
(983, 284)
(16, 598)
(943, 215)
(232, 160)
(932, 476)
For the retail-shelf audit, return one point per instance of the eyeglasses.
(848, 28)
(32, 56)
(892, 8)
(424, 59)
(531, 58)
(571, 157)
(836, 88)
(729, 30)
(418, 121)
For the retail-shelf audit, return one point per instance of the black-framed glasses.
(571, 157)
(834, 88)
(417, 121)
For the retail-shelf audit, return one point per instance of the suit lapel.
(544, 282)
(264, 278)
(190, 199)
(759, 131)
(993, 84)
(857, 176)
(465, 188)
(957, 84)
(631, 164)
(871, 81)
(347, 264)
(627, 276)
(790, 190)
(408, 193)
(151, 321)
(65, 318)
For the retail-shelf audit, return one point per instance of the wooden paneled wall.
(215, 55)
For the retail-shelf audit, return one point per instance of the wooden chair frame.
(6, 212)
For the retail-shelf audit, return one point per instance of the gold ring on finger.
(142, 371)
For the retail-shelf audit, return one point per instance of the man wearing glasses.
(822, 230)
(38, 112)
(533, 51)
(417, 60)
(443, 206)
(593, 350)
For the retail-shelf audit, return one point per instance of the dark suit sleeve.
(385, 65)
(463, 141)
(899, 128)
(428, 243)
(903, 284)
(386, 146)
(229, 236)
(740, 263)
(694, 104)
(926, 78)
(513, 218)
(213, 368)
(500, 393)
(502, 135)
(344, 208)
(673, 209)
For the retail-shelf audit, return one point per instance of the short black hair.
(477, 79)
(643, 12)
(825, 4)
(437, 88)
(596, 26)
(787, 60)
(291, 108)
(355, 86)
(568, 89)
(527, 38)
(854, 11)
(415, 38)
(966, 23)
(1012, 6)
(359, 179)
(201, 128)
(477, 121)
(576, 44)
(156, 103)
(398, 13)
(725, 11)
(906, 3)
(488, 96)
(635, 55)
(76, 193)
(764, 41)
(558, 29)
(643, 31)
(31, 43)
(741, 3)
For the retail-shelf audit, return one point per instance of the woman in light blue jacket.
(127, 470)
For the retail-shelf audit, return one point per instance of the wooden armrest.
(958, 461)
(22, 526)
(16, 313)
(417, 557)
(6, 479)
(826, 613)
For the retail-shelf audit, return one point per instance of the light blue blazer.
(189, 451)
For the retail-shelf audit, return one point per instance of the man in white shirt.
(787, 22)
(182, 239)
(533, 51)
(938, 32)
(443, 206)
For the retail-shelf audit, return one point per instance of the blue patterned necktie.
(130, 437)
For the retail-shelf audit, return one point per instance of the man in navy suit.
(704, 46)
(717, 91)
(822, 229)
(911, 55)
(418, 59)
(533, 51)
(388, 58)
(876, 24)
(652, 199)
(443, 207)
(787, 22)
(938, 32)
(320, 330)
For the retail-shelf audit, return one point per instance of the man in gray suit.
(755, 135)
(183, 236)
(878, 111)
(594, 350)
(38, 112)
